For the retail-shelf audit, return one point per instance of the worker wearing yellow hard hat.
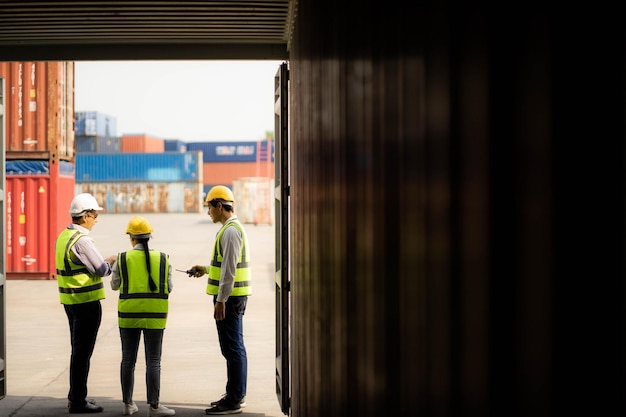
(230, 284)
(144, 279)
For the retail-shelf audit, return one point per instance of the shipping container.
(92, 123)
(142, 143)
(140, 167)
(233, 151)
(36, 212)
(101, 144)
(226, 172)
(254, 200)
(145, 197)
(39, 110)
(174, 145)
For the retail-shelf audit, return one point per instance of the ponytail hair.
(146, 251)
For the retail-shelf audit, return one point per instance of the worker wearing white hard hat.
(80, 268)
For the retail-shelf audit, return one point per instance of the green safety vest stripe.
(239, 265)
(143, 315)
(78, 290)
(237, 283)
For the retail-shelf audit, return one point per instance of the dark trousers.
(153, 341)
(84, 320)
(230, 334)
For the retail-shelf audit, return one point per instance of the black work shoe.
(88, 407)
(224, 408)
(242, 403)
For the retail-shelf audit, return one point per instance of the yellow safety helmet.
(220, 192)
(139, 228)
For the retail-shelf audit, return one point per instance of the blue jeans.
(84, 320)
(230, 334)
(152, 341)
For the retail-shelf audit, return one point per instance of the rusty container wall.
(39, 110)
(254, 198)
(37, 210)
(145, 197)
(142, 143)
(225, 173)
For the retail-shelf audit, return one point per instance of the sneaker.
(242, 403)
(223, 408)
(161, 410)
(130, 409)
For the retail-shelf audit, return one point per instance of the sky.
(191, 101)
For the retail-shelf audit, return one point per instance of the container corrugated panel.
(92, 123)
(36, 212)
(140, 167)
(174, 145)
(145, 197)
(39, 110)
(254, 200)
(227, 172)
(103, 144)
(142, 143)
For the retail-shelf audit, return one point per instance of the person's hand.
(197, 271)
(111, 259)
(219, 311)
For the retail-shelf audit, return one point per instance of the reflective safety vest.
(243, 274)
(138, 307)
(76, 284)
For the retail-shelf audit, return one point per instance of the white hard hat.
(83, 202)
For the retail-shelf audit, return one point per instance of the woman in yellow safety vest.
(144, 280)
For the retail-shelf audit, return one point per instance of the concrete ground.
(193, 370)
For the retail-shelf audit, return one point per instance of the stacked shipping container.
(96, 132)
(39, 115)
(142, 182)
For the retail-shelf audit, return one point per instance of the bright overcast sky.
(193, 101)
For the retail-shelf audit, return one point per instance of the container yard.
(53, 152)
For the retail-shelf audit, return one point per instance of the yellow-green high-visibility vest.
(138, 307)
(243, 274)
(76, 284)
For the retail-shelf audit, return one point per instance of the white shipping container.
(254, 200)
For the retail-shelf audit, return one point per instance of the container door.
(281, 201)
(3, 269)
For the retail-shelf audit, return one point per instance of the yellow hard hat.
(138, 227)
(219, 192)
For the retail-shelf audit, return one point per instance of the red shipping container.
(39, 110)
(37, 209)
(227, 172)
(142, 143)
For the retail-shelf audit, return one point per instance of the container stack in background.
(39, 144)
(247, 168)
(132, 173)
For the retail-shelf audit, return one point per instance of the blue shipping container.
(36, 167)
(231, 151)
(139, 167)
(85, 144)
(91, 123)
(174, 145)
